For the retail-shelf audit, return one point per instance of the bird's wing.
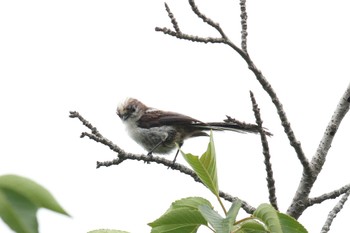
(157, 118)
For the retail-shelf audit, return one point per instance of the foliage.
(188, 214)
(20, 199)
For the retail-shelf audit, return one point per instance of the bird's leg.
(155, 147)
(177, 152)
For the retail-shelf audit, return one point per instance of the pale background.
(58, 56)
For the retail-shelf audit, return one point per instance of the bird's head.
(131, 110)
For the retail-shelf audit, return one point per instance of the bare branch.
(123, 156)
(247, 208)
(333, 213)
(283, 117)
(343, 107)
(104, 141)
(330, 195)
(74, 114)
(177, 33)
(192, 38)
(173, 20)
(116, 161)
(244, 32)
(206, 19)
(300, 200)
(266, 152)
(247, 126)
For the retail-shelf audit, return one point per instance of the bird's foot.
(149, 155)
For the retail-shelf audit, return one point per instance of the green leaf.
(107, 231)
(290, 225)
(205, 167)
(18, 212)
(233, 211)
(36, 193)
(178, 220)
(249, 226)
(278, 222)
(220, 224)
(183, 216)
(190, 202)
(20, 198)
(268, 215)
(214, 219)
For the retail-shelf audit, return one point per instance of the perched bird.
(160, 131)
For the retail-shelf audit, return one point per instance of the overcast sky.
(88, 56)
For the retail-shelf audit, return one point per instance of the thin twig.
(74, 114)
(123, 156)
(333, 213)
(206, 19)
(192, 38)
(172, 18)
(104, 141)
(266, 152)
(331, 195)
(246, 126)
(244, 32)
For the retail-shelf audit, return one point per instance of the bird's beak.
(123, 116)
(120, 115)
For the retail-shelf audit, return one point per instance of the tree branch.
(74, 114)
(333, 213)
(283, 117)
(192, 38)
(266, 152)
(244, 32)
(206, 19)
(123, 156)
(320, 157)
(300, 200)
(331, 195)
(172, 18)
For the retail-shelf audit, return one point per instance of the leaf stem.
(222, 205)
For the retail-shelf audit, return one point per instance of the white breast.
(148, 138)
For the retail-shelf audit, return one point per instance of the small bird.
(161, 132)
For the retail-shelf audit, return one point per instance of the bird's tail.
(239, 127)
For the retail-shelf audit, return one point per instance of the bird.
(161, 132)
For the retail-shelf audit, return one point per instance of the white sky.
(58, 56)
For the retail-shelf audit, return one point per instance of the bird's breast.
(148, 138)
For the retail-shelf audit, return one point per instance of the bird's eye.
(130, 108)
